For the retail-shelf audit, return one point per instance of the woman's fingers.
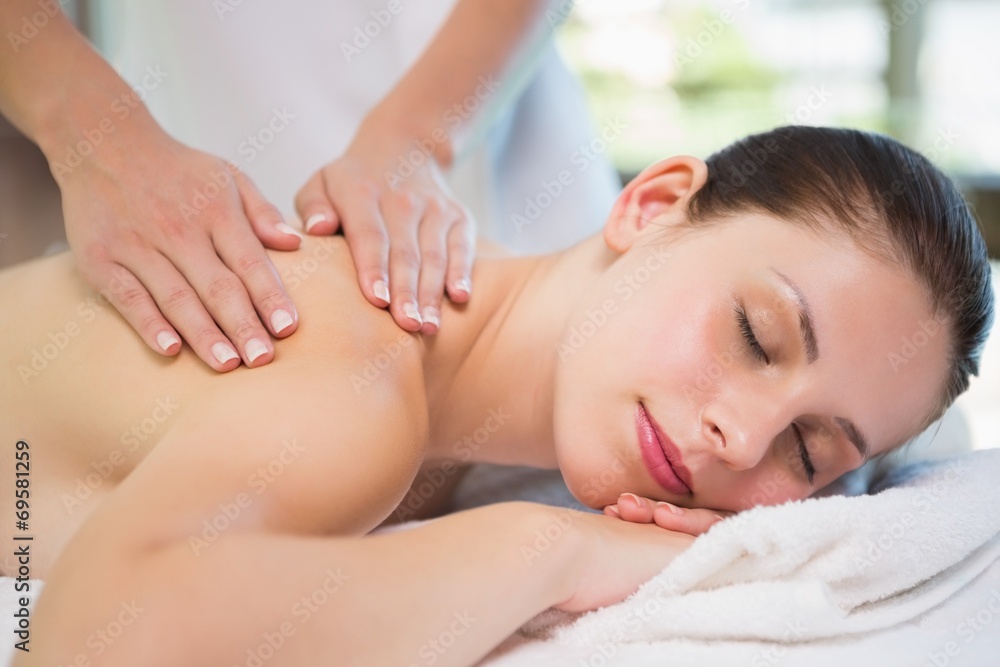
(637, 509)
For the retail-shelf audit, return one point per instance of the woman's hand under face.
(615, 558)
(409, 236)
(636, 509)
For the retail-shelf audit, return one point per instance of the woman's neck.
(490, 372)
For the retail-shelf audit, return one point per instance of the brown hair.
(889, 199)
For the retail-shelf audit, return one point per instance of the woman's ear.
(662, 189)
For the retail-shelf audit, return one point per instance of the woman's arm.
(145, 235)
(244, 530)
(442, 593)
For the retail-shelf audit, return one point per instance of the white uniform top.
(279, 88)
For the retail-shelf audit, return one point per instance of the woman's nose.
(742, 438)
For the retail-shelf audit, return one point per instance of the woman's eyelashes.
(807, 464)
(749, 336)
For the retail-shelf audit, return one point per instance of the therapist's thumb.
(265, 219)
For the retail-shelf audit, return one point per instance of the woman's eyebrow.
(806, 329)
(808, 334)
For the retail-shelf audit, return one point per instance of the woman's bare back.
(93, 402)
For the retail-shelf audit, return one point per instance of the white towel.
(908, 573)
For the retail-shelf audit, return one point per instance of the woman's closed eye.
(749, 336)
(807, 464)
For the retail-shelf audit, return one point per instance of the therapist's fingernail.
(314, 220)
(223, 353)
(254, 349)
(285, 228)
(410, 310)
(613, 510)
(431, 316)
(280, 320)
(381, 289)
(166, 340)
(463, 285)
(673, 508)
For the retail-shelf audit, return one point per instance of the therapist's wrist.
(96, 129)
(414, 129)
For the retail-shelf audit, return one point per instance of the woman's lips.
(662, 458)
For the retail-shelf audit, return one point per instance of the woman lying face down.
(744, 331)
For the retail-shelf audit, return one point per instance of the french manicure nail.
(280, 320)
(430, 316)
(463, 285)
(166, 340)
(314, 220)
(223, 353)
(410, 310)
(254, 349)
(381, 289)
(614, 510)
(672, 508)
(634, 497)
(285, 228)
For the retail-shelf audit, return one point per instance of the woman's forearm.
(442, 593)
(54, 86)
(475, 61)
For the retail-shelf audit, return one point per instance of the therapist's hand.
(637, 509)
(410, 238)
(169, 236)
